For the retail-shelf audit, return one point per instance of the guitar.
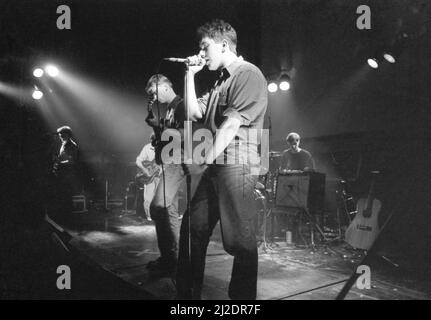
(148, 176)
(364, 229)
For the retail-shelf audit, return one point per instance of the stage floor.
(122, 245)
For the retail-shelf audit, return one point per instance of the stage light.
(394, 50)
(389, 57)
(373, 63)
(284, 82)
(38, 72)
(52, 70)
(37, 94)
(284, 85)
(272, 87)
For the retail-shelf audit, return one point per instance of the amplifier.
(79, 204)
(301, 190)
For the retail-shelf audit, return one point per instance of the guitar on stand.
(364, 229)
(363, 233)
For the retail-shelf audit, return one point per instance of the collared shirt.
(174, 118)
(296, 160)
(68, 152)
(241, 93)
(147, 154)
(67, 158)
(175, 114)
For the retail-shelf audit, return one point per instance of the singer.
(236, 103)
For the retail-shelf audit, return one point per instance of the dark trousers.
(224, 193)
(139, 203)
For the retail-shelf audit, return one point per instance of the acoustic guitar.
(364, 228)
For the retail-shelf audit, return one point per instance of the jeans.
(225, 194)
(164, 212)
(144, 197)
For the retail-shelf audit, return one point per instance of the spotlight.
(373, 63)
(52, 70)
(38, 72)
(272, 87)
(389, 57)
(37, 94)
(401, 42)
(284, 82)
(284, 85)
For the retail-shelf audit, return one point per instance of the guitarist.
(65, 172)
(164, 206)
(146, 179)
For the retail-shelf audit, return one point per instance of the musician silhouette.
(65, 170)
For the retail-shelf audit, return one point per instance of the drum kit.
(264, 195)
(265, 186)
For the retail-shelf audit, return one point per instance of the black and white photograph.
(229, 151)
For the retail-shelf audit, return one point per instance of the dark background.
(353, 119)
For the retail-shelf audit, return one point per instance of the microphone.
(190, 61)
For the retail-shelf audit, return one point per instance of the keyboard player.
(296, 159)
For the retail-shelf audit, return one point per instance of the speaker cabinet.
(301, 190)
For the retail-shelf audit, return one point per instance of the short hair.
(293, 136)
(218, 30)
(158, 79)
(65, 129)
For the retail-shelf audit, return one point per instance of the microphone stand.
(273, 187)
(187, 217)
